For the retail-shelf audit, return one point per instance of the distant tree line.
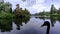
(53, 11)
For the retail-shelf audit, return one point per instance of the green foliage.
(53, 9)
(5, 15)
(10, 10)
(5, 7)
(5, 25)
(6, 10)
(25, 12)
(19, 12)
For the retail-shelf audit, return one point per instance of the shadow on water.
(6, 25)
(46, 23)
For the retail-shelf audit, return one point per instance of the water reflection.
(46, 23)
(5, 25)
(19, 21)
(53, 19)
(34, 24)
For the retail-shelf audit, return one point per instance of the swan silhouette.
(46, 23)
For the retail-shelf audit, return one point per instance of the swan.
(46, 23)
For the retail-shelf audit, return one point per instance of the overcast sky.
(35, 6)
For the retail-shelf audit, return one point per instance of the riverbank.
(6, 15)
(54, 16)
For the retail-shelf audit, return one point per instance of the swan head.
(46, 23)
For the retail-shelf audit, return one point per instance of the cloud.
(43, 5)
(35, 6)
(38, 7)
(29, 3)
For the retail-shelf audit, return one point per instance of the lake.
(30, 25)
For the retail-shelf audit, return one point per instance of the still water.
(29, 26)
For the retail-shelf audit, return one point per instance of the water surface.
(29, 26)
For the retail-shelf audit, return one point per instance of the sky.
(35, 6)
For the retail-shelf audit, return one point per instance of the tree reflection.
(26, 19)
(19, 21)
(52, 18)
(53, 21)
(42, 18)
(5, 25)
(59, 18)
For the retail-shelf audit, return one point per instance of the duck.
(46, 23)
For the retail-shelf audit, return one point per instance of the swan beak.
(41, 25)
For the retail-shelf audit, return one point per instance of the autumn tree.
(17, 11)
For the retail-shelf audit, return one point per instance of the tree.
(8, 7)
(17, 11)
(53, 9)
(26, 12)
(58, 11)
(5, 7)
(10, 10)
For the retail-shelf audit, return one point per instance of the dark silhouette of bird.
(46, 23)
